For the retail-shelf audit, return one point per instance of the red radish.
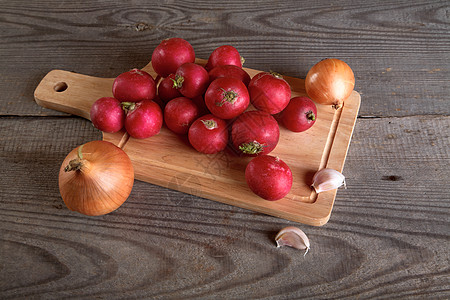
(269, 92)
(166, 89)
(227, 97)
(224, 55)
(134, 86)
(255, 133)
(170, 54)
(208, 134)
(107, 114)
(191, 80)
(269, 177)
(144, 119)
(229, 71)
(179, 114)
(299, 115)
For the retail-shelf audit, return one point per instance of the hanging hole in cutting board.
(60, 87)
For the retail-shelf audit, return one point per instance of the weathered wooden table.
(388, 235)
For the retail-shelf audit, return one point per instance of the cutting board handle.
(71, 92)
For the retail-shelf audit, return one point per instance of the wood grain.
(388, 235)
(390, 44)
(384, 239)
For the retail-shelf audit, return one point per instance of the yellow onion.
(330, 82)
(96, 178)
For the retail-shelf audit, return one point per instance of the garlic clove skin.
(327, 180)
(293, 237)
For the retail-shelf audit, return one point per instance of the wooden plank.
(398, 51)
(387, 238)
(220, 177)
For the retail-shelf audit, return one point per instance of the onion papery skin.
(103, 181)
(330, 82)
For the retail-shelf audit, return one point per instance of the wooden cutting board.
(169, 161)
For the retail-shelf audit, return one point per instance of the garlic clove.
(293, 237)
(327, 179)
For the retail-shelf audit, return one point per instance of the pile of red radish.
(211, 105)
